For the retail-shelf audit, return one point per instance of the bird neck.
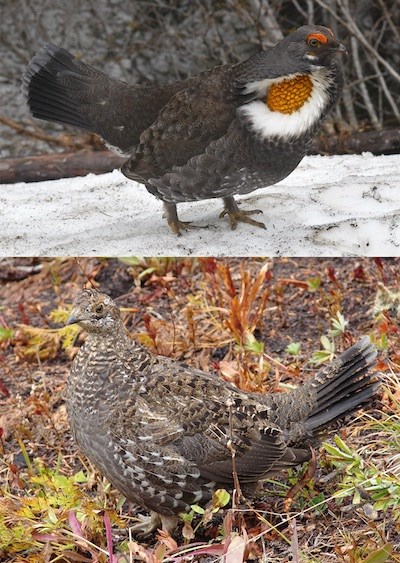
(100, 369)
(290, 108)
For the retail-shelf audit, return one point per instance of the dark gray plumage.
(229, 130)
(159, 430)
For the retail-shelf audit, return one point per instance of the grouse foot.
(172, 218)
(238, 216)
(149, 524)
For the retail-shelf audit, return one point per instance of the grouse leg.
(171, 214)
(236, 215)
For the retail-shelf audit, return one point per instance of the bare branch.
(385, 89)
(363, 88)
(350, 24)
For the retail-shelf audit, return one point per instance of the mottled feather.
(163, 432)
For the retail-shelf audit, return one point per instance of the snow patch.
(329, 206)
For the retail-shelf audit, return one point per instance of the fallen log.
(59, 165)
(68, 165)
(383, 141)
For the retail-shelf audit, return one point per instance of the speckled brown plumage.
(227, 131)
(159, 430)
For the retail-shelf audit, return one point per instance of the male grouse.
(160, 430)
(229, 130)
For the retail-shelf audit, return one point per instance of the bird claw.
(149, 524)
(174, 223)
(177, 226)
(238, 216)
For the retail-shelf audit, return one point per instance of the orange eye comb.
(318, 36)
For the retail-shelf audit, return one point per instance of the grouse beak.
(73, 318)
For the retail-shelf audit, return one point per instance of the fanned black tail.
(344, 385)
(57, 86)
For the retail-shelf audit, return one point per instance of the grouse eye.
(313, 42)
(99, 308)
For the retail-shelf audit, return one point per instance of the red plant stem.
(107, 525)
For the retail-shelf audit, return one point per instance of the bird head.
(312, 46)
(95, 312)
(301, 54)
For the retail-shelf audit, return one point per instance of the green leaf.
(339, 324)
(196, 508)
(382, 342)
(332, 450)
(79, 477)
(382, 504)
(221, 497)
(131, 260)
(186, 516)
(337, 453)
(256, 347)
(342, 445)
(356, 497)
(293, 348)
(252, 345)
(326, 353)
(313, 284)
(147, 272)
(6, 333)
(327, 344)
(52, 516)
(343, 493)
(380, 555)
(318, 502)
(321, 356)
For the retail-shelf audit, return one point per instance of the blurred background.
(166, 40)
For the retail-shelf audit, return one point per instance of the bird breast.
(289, 95)
(290, 106)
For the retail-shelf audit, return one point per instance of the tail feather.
(48, 108)
(345, 390)
(353, 363)
(54, 85)
(336, 389)
(337, 410)
(59, 87)
(344, 385)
